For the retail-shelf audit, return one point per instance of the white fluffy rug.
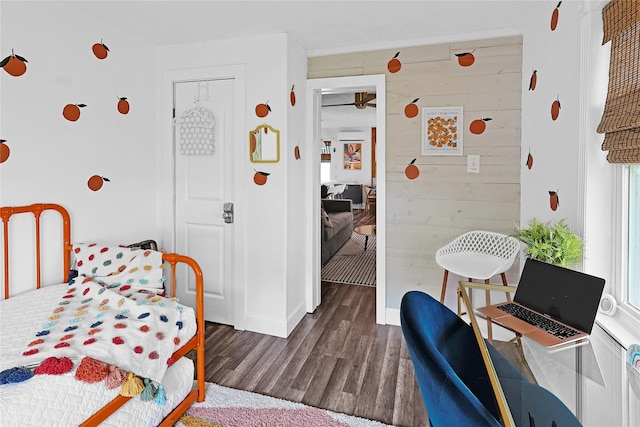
(228, 407)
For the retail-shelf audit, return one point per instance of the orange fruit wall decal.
(260, 178)
(411, 109)
(14, 64)
(412, 171)
(394, 64)
(479, 125)
(466, 59)
(554, 17)
(263, 109)
(292, 96)
(96, 181)
(4, 151)
(100, 50)
(555, 108)
(554, 201)
(529, 162)
(71, 112)
(123, 105)
(534, 80)
(254, 143)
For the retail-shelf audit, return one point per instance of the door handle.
(227, 214)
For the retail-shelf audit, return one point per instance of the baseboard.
(295, 317)
(275, 327)
(393, 316)
(267, 326)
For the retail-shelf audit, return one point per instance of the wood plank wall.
(444, 201)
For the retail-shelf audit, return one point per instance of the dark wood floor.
(337, 358)
(362, 218)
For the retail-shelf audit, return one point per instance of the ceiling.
(320, 27)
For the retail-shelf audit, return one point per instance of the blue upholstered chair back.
(448, 364)
(453, 380)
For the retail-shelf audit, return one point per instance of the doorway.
(315, 89)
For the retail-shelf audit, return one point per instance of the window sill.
(622, 327)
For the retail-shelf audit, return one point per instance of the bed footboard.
(196, 343)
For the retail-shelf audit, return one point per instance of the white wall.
(445, 201)
(339, 174)
(52, 158)
(560, 148)
(268, 274)
(573, 64)
(348, 119)
(554, 144)
(297, 247)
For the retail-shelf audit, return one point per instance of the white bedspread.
(61, 399)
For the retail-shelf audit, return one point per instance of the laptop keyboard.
(535, 319)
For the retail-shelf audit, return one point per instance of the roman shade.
(621, 117)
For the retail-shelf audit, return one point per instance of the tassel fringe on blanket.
(91, 371)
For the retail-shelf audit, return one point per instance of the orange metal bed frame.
(172, 259)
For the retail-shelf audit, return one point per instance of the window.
(621, 125)
(633, 274)
(325, 172)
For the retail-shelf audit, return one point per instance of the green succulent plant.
(554, 243)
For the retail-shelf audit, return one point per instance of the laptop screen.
(566, 295)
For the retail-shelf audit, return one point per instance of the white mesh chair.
(336, 191)
(478, 255)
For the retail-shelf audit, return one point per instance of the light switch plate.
(473, 163)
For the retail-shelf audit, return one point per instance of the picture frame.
(352, 156)
(442, 131)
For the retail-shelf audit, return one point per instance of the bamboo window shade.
(621, 117)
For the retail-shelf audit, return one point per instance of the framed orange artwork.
(442, 130)
(353, 156)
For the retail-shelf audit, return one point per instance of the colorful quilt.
(109, 316)
(133, 269)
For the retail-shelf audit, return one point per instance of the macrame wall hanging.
(195, 132)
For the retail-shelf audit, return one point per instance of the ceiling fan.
(362, 101)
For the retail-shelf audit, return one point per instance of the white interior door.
(203, 184)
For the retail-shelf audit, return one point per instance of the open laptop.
(566, 301)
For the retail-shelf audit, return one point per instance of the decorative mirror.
(264, 144)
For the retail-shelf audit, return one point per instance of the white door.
(203, 136)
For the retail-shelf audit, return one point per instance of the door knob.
(227, 213)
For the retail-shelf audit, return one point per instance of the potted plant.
(554, 243)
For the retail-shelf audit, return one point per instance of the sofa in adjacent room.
(337, 226)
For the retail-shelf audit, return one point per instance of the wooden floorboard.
(337, 358)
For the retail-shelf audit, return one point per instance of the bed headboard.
(36, 210)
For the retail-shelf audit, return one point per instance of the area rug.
(352, 264)
(227, 407)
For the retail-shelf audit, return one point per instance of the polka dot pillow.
(110, 264)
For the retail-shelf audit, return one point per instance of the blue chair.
(453, 379)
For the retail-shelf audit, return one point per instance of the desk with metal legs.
(590, 376)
